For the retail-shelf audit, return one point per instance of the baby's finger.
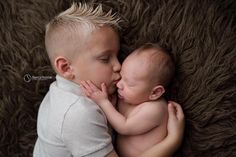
(86, 86)
(104, 88)
(91, 85)
(85, 91)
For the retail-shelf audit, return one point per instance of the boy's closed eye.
(104, 59)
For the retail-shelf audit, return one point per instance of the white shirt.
(70, 124)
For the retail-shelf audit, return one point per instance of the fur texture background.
(201, 35)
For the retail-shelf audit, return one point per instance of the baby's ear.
(63, 67)
(157, 92)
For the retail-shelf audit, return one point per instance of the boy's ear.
(157, 92)
(63, 67)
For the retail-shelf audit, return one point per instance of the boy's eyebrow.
(101, 53)
(106, 52)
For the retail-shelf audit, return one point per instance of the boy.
(82, 44)
(142, 118)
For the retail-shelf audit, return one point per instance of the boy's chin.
(112, 90)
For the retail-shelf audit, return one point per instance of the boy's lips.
(116, 81)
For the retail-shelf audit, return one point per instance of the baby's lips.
(119, 95)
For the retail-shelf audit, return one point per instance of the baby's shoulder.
(157, 103)
(156, 106)
(155, 110)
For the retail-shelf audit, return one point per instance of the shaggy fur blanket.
(201, 35)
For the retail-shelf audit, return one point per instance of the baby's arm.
(144, 120)
(175, 127)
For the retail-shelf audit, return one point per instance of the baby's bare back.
(134, 145)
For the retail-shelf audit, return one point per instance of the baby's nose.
(119, 84)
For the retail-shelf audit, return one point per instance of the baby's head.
(82, 44)
(145, 74)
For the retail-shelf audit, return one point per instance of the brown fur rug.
(201, 35)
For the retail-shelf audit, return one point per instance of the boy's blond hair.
(79, 18)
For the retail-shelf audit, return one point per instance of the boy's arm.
(175, 127)
(147, 118)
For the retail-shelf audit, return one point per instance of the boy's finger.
(179, 111)
(172, 111)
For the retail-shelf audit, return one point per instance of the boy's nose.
(117, 66)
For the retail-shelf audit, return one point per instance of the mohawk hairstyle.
(86, 14)
(80, 17)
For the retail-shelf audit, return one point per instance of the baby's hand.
(93, 92)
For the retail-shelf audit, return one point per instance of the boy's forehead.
(103, 40)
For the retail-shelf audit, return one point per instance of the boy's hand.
(91, 91)
(175, 124)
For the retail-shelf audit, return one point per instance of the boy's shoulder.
(69, 99)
